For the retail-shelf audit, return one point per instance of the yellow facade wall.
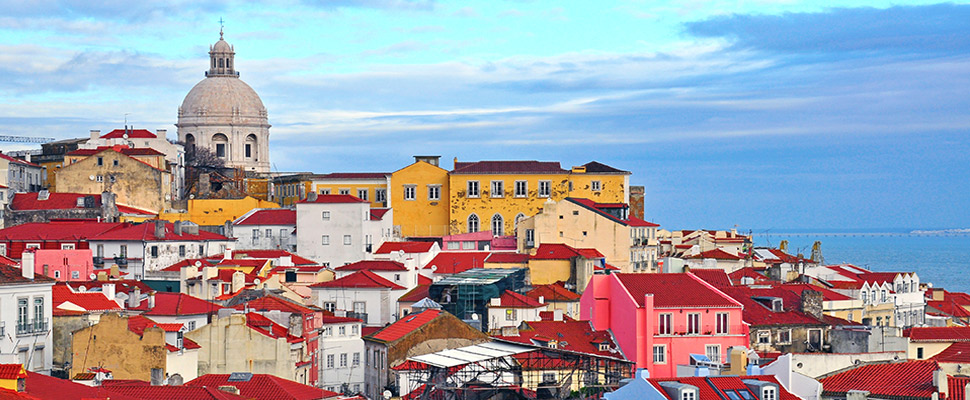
(544, 272)
(289, 193)
(211, 212)
(487, 204)
(50, 179)
(111, 345)
(134, 183)
(422, 216)
(613, 188)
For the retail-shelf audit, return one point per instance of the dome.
(222, 46)
(217, 96)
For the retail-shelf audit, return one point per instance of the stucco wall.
(229, 345)
(111, 345)
(421, 216)
(136, 183)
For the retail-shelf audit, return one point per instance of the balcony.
(32, 327)
(359, 315)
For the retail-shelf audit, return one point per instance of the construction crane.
(25, 139)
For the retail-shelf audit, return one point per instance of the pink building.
(659, 320)
(63, 265)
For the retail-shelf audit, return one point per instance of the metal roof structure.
(471, 354)
(478, 276)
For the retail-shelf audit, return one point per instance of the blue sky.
(761, 114)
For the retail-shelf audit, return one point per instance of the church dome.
(222, 46)
(222, 96)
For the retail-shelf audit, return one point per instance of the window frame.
(524, 186)
(410, 192)
(545, 189)
(473, 189)
(434, 192)
(496, 189)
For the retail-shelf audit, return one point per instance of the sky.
(758, 114)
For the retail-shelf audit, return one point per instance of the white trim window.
(434, 192)
(664, 325)
(713, 352)
(722, 325)
(596, 186)
(764, 337)
(498, 189)
(693, 323)
(473, 223)
(545, 188)
(363, 194)
(521, 188)
(659, 354)
(410, 192)
(474, 190)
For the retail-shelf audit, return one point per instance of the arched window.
(518, 219)
(473, 223)
(498, 225)
(189, 143)
(221, 145)
(221, 63)
(251, 147)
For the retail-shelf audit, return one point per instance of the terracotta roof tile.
(938, 334)
(335, 199)
(506, 257)
(415, 295)
(405, 325)
(146, 232)
(453, 262)
(272, 216)
(508, 167)
(373, 265)
(173, 392)
(90, 301)
(571, 335)
(715, 276)
(360, 280)
(271, 302)
(552, 292)
(167, 304)
(912, 379)
(510, 299)
(48, 387)
(132, 134)
(674, 290)
(264, 386)
(408, 247)
(61, 230)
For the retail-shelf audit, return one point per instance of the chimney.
(114, 270)
(27, 264)
(157, 377)
(238, 281)
(227, 255)
(857, 395)
(941, 384)
(161, 133)
(151, 301)
(557, 315)
(134, 297)
(812, 303)
(102, 276)
(178, 228)
(311, 197)
(109, 290)
(95, 134)
(159, 229)
(542, 300)
(496, 302)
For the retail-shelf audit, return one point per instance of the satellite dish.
(474, 316)
(82, 289)
(198, 263)
(93, 276)
(125, 136)
(386, 394)
(434, 268)
(91, 177)
(256, 281)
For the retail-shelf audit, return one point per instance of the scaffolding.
(509, 370)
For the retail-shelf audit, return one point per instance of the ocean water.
(938, 257)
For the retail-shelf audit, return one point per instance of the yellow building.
(287, 190)
(215, 212)
(495, 195)
(136, 176)
(12, 377)
(420, 197)
(370, 186)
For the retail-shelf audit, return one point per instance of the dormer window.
(688, 394)
(769, 393)
(604, 346)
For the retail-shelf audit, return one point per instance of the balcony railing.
(359, 315)
(32, 327)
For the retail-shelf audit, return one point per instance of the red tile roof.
(272, 216)
(353, 175)
(505, 257)
(508, 167)
(570, 334)
(132, 134)
(453, 262)
(264, 386)
(55, 201)
(552, 292)
(12, 371)
(173, 392)
(360, 280)
(269, 328)
(17, 160)
(138, 324)
(938, 334)
(406, 325)
(121, 285)
(424, 280)
(759, 313)
(14, 276)
(274, 254)
(373, 265)
(554, 251)
(377, 214)
(415, 295)
(674, 290)
(912, 379)
(330, 319)
(334, 199)
(510, 299)
(187, 262)
(146, 232)
(715, 276)
(717, 387)
(958, 352)
(268, 303)
(408, 247)
(48, 387)
(128, 151)
(717, 254)
(60, 230)
(168, 304)
(598, 209)
(90, 301)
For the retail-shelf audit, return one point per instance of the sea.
(941, 257)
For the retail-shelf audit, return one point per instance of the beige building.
(136, 176)
(251, 343)
(627, 242)
(223, 114)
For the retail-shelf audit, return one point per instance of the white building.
(20, 176)
(339, 229)
(510, 309)
(362, 294)
(266, 229)
(341, 355)
(25, 318)
(404, 274)
(153, 245)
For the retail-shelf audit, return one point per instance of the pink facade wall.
(64, 265)
(609, 306)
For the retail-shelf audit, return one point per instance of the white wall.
(332, 342)
(38, 346)
(139, 253)
(381, 304)
(345, 219)
(244, 234)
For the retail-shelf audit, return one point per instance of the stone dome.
(222, 96)
(222, 46)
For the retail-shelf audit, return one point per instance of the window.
(39, 314)
(100, 178)
(397, 277)
(269, 232)
(883, 295)
(345, 192)
(324, 191)
(325, 215)
(380, 195)
(664, 326)
(453, 245)
(249, 150)
(872, 296)
(114, 163)
(33, 245)
(688, 394)
(356, 360)
(595, 186)
(722, 324)
(325, 240)
(434, 192)
(545, 187)
(473, 223)
(511, 314)
(67, 246)
(22, 316)
(410, 192)
(154, 251)
(75, 274)
(181, 250)
(57, 273)
(713, 352)
(360, 307)
(343, 360)
(473, 189)
(347, 240)
(521, 188)
(784, 336)
(659, 354)
(865, 297)
(191, 326)
(329, 306)
(530, 237)
(768, 393)
(498, 225)
(355, 329)
(221, 150)
(919, 353)
(342, 331)
(329, 360)
(764, 337)
(100, 161)
(498, 189)
(693, 323)
(363, 194)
